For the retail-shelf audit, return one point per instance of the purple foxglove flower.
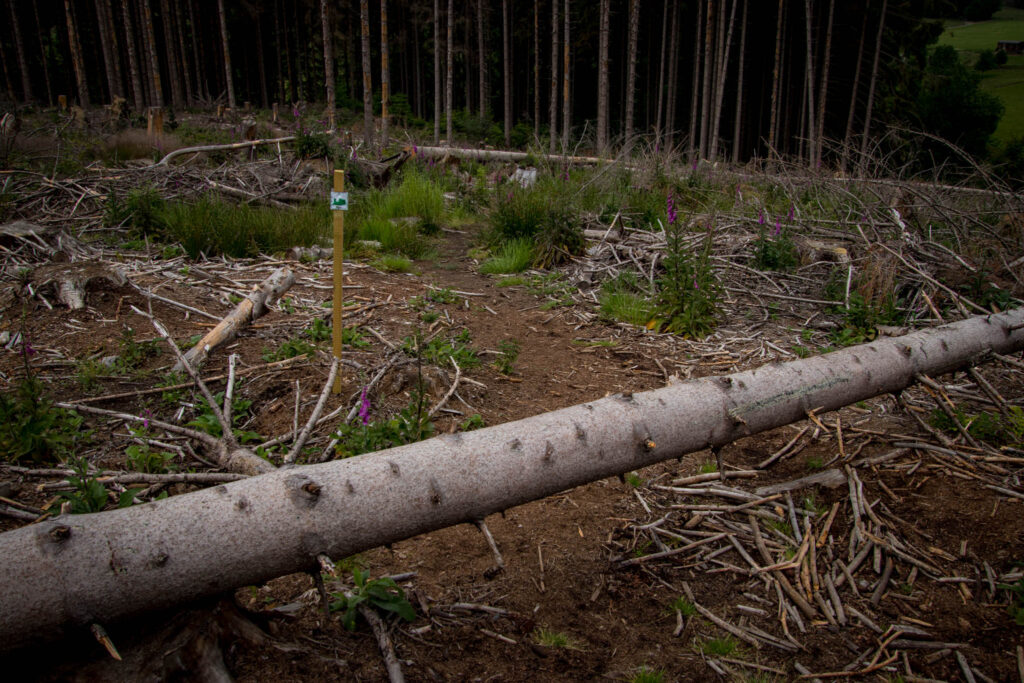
(790, 213)
(670, 209)
(364, 408)
(760, 218)
(696, 285)
(778, 228)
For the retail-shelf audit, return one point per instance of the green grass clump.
(142, 209)
(395, 237)
(416, 196)
(213, 226)
(513, 256)
(541, 214)
(289, 349)
(393, 263)
(647, 675)
(550, 638)
(623, 299)
(721, 647)
(683, 606)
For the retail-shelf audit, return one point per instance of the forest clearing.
(874, 539)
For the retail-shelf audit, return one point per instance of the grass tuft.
(514, 256)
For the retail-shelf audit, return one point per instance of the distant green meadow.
(1007, 81)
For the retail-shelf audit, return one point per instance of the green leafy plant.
(141, 209)
(353, 338)
(862, 318)
(683, 606)
(206, 421)
(142, 458)
(382, 594)
(32, 427)
(472, 422)
(634, 480)
(289, 349)
(319, 330)
(88, 494)
(509, 352)
(774, 251)
(438, 350)
(708, 467)
(688, 289)
(410, 425)
(135, 353)
(814, 463)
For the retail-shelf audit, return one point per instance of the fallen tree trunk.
(251, 144)
(247, 310)
(72, 571)
(502, 155)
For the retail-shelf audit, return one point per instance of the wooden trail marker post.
(339, 205)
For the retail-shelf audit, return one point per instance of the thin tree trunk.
(736, 130)
(115, 48)
(566, 101)
(325, 25)
(482, 56)
(602, 78)
(449, 73)
(364, 32)
(871, 90)
(775, 81)
(109, 56)
(26, 78)
(154, 61)
(190, 93)
(418, 73)
(7, 77)
(848, 136)
(673, 79)
(227, 54)
(553, 103)
(202, 85)
(247, 532)
(705, 110)
(138, 94)
(506, 72)
(77, 61)
(437, 73)
(812, 120)
(634, 31)
(173, 72)
(385, 73)
(659, 120)
(723, 70)
(260, 61)
(536, 69)
(823, 90)
(42, 54)
(698, 51)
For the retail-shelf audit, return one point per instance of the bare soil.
(563, 554)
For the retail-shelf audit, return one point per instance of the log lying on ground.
(502, 155)
(69, 572)
(251, 144)
(250, 308)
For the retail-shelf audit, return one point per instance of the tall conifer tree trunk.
(602, 78)
(812, 121)
(659, 119)
(154, 62)
(482, 56)
(536, 69)
(848, 136)
(698, 52)
(673, 78)
(202, 82)
(871, 90)
(437, 72)
(364, 31)
(109, 56)
(774, 116)
(723, 70)
(823, 90)
(77, 61)
(325, 25)
(138, 94)
(634, 31)
(173, 72)
(227, 54)
(506, 72)
(26, 78)
(42, 51)
(553, 103)
(566, 101)
(385, 73)
(738, 119)
(190, 94)
(705, 110)
(449, 72)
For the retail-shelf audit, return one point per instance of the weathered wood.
(250, 308)
(73, 571)
(250, 144)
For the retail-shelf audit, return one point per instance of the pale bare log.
(248, 144)
(250, 308)
(73, 571)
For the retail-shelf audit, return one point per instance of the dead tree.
(75, 571)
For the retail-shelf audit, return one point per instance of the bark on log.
(76, 570)
(250, 308)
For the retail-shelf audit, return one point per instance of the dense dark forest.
(716, 78)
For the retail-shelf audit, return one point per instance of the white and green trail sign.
(339, 201)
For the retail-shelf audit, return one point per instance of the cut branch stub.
(77, 570)
(250, 308)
